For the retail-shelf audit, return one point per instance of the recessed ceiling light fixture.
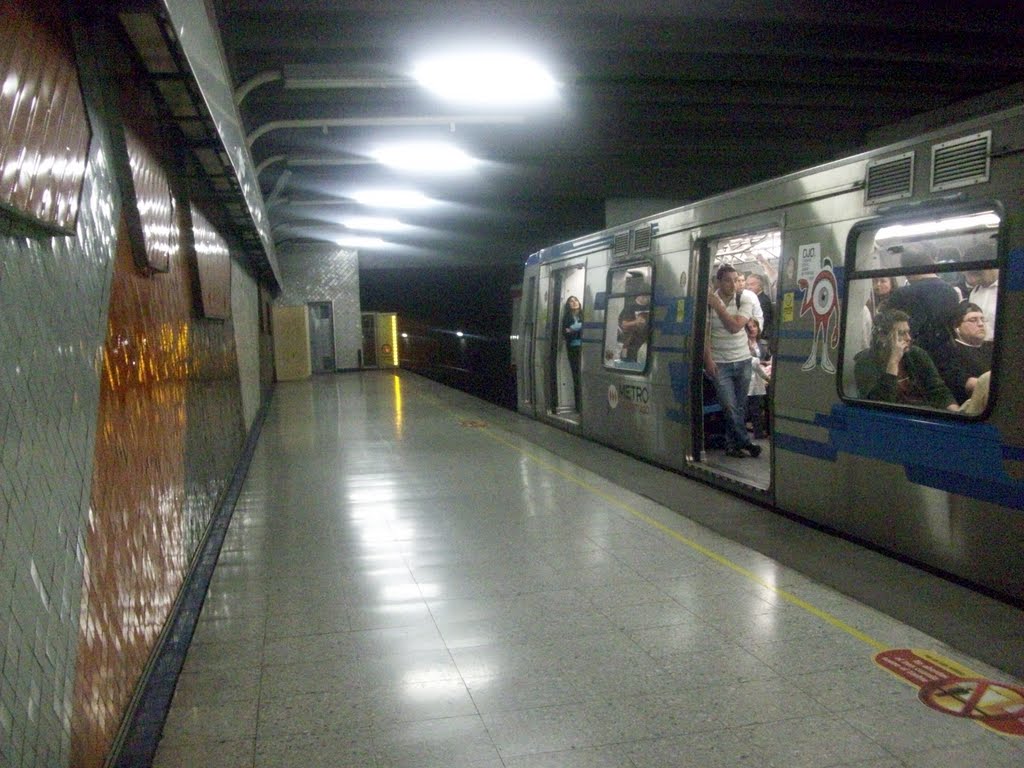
(427, 157)
(391, 198)
(490, 78)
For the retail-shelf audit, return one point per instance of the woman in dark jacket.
(892, 370)
(572, 329)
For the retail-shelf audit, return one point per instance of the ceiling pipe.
(316, 82)
(305, 160)
(269, 161)
(381, 122)
(254, 82)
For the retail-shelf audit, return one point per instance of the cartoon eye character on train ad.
(818, 282)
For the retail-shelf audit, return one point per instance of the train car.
(934, 479)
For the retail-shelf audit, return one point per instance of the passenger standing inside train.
(572, 330)
(881, 291)
(894, 370)
(758, 313)
(929, 301)
(968, 355)
(761, 376)
(635, 318)
(755, 284)
(727, 357)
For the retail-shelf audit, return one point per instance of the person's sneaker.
(753, 450)
(736, 453)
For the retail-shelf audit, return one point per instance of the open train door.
(739, 448)
(566, 281)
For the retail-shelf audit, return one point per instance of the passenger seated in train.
(978, 400)
(928, 299)
(893, 370)
(984, 285)
(634, 319)
(968, 354)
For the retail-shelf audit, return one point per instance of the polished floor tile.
(419, 581)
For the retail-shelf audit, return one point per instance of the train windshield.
(921, 312)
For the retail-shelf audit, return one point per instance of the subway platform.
(414, 578)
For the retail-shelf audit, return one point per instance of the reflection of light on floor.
(398, 404)
(432, 691)
(767, 573)
(432, 675)
(375, 495)
(430, 591)
(766, 623)
(399, 567)
(400, 592)
(399, 608)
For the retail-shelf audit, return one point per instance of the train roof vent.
(642, 238)
(961, 162)
(889, 179)
(621, 245)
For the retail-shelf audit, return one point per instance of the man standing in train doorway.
(727, 357)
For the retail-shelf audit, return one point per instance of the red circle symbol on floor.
(974, 698)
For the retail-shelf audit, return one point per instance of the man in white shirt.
(727, 356)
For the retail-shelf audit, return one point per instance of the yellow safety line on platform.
(787, 596)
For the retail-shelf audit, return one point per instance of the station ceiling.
(669, 100)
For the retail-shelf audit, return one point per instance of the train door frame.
(753, 474)
(527, 344)
(557, 368)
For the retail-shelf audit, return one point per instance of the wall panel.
(53, 308)
(169, 432)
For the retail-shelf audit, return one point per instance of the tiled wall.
(245, 316)
(53, 309)
(122, 415)
(326, 273)
(169, 432)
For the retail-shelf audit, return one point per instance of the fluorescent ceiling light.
(489, 78)
(355, 241)
(986, 220)
(391, 198)
(373, 223)
(424, 156)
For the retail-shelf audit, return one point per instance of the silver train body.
(938, 487)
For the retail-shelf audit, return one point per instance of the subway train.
(838, 249)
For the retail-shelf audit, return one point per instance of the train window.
(920, 312)
(628, 318)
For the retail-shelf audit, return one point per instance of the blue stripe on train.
(1014, 279)
(965, 459)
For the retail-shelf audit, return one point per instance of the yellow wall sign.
(787, 307)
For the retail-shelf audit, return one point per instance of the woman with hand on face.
(893, 370)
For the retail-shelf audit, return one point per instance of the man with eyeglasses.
(984, 285)
(969, 354)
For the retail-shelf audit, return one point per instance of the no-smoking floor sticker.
(954, 690)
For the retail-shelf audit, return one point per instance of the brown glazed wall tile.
(169, 431)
